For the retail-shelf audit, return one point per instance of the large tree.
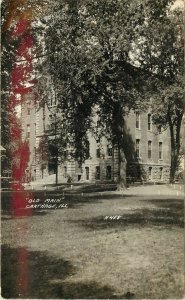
(89, 65)
(105, 55)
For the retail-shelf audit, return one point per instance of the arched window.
(160, 150)
(149, 121)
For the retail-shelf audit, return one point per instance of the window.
(35, 154)
(98, 124)
(149, 121)
(160, 128)
(137, 120)
(87, 173)
(149, 149)
(28, 131)
(98, 153)
(109, 151)
(35, 125)
(108, 172)
(65, 172)
(160, 150)
(150, 173)
(87, 150)
(50, 125)
(161, 173)
(97, 174)
(52, 101)
(80, 169)
(138, 172)
(137, 148)
(28, 111)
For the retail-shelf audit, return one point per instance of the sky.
(178, 3)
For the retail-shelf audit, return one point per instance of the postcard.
(92, 149)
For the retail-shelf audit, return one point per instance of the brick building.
(146, 148)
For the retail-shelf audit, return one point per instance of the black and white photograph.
(92, 149)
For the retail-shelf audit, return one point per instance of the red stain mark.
(20, 28)
(21, 84)
(19, 202)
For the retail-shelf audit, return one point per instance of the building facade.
(146, 148)
(148, 154)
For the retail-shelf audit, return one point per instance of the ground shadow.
(82, 187)
(175, 205)
(96, 188)
(33, 274)
(74, 201)
(170, 213)
(13, 205)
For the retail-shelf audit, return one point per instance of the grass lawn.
(75, 253)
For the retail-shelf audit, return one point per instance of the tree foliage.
(106, 57)
(90, 66)
(161, 52)
(109, 56)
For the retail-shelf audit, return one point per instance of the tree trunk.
(56, 166)
(175, 146)
(174, 164)
(121, 185)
